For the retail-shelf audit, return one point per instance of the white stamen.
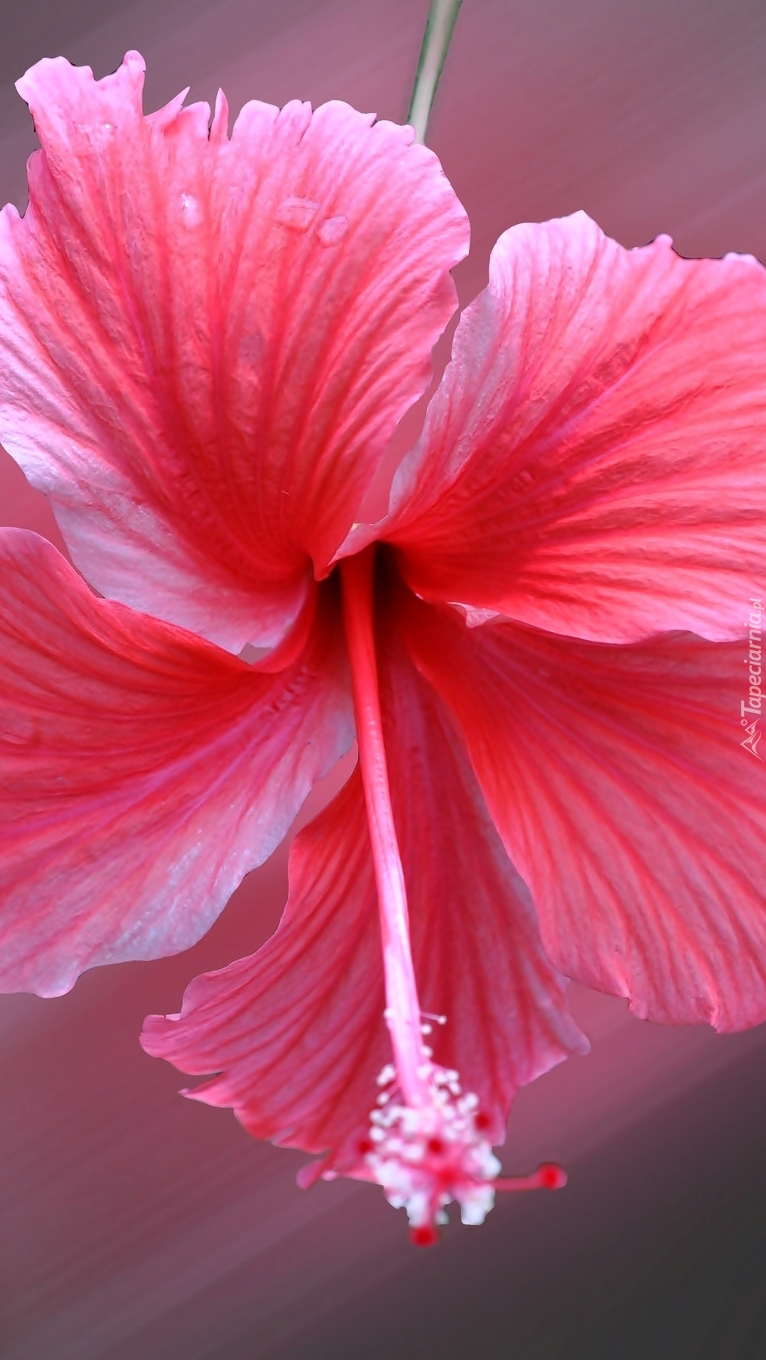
(425, 1157)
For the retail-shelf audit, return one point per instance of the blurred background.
(136, 1224)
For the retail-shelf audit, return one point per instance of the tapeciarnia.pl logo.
(755, 698)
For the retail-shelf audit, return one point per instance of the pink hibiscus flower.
(206, 343)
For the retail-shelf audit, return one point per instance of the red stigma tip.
(551, 1176)
(426, 1235)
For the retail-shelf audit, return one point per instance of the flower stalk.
(440, 25)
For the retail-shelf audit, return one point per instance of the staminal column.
(403, 1014)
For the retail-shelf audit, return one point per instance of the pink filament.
(548, 1176)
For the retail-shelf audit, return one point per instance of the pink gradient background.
(135, 1224)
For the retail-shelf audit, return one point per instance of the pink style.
(206, 343)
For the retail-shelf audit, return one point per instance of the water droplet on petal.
(251, 347)
(297, 213)
(333, 229)
(95, 135)
(19, 730)
(190, 210)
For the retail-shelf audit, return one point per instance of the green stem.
(436, 41)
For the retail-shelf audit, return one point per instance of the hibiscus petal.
(617, 778)
(594, 462)
(143, 771)
(206, 343)
(296, 1031)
